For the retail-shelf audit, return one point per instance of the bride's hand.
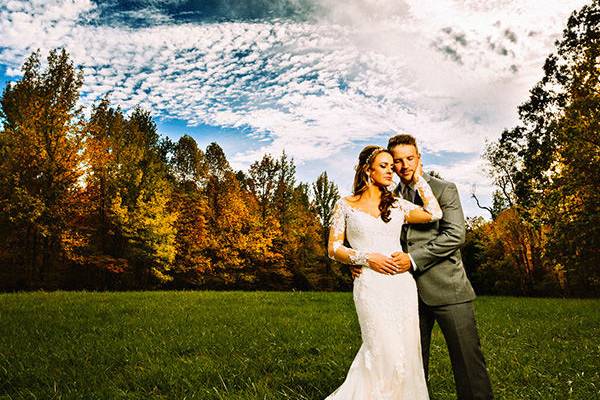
(382, 264)
(418, 172)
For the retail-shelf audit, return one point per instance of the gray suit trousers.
(457, 322)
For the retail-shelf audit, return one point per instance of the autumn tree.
(189, 164)
(303, 249)
(141, 207)
(130, 195)
(100, 251)
(191, 263)
(262, 182)
(242, 248)
(546, 166)
(40, 146)
(107, 203)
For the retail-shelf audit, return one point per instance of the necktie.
(407, 195)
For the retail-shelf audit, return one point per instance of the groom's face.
(406, 160)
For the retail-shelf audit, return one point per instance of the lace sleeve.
(337, 234)
(430, 203)
(407, 206)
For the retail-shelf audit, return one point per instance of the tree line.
(545, 230)
(105, 202)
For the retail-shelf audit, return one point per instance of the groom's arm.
(451, 233)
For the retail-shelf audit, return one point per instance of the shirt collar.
(402, 185)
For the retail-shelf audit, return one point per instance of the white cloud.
(451, 72)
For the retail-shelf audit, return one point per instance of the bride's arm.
(337, 233)
(430, 211)
(337, 251)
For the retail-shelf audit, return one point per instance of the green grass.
(258, 345)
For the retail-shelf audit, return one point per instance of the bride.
(388, 365)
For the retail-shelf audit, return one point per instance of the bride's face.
(381, 169)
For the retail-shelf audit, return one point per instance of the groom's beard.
(408, 179)
(406, 176)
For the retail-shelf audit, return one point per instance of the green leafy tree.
(262, 183)
(325, 195)
(284, 191)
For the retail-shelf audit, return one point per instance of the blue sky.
(318, 79)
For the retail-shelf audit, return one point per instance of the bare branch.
(489, 209)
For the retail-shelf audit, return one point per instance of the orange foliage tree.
(40, 143)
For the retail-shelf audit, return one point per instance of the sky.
(318, 79)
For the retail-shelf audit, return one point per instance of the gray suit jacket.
(435, 249)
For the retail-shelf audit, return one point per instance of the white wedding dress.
(388, 365)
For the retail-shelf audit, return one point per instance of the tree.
(262, 183)
(130, 197)
(242, 248)
(142, 205)
(325, 194)
(191, 265)
(40, 166)
(571, 202)
(284, 191)
(546, 167)
(499, 203)
(189, 164)
(303, 249)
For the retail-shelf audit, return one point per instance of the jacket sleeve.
(451, 232)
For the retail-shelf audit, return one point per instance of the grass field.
(259, 345)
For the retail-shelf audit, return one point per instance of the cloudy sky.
(317, 78)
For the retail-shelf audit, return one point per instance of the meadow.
(266, 345)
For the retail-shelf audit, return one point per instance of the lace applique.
(431, 204)
(338, 218)
(340, 252)
(359, 258)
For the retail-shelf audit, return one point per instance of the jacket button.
(410, 243)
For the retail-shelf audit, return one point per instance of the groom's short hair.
(402, 139)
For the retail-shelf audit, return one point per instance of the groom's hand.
(402, 260)
(356, 270)
(382, 264)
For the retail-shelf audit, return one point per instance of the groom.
(432, 255)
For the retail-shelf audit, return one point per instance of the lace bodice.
(366, 233)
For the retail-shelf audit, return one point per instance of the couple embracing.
(408, 274)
